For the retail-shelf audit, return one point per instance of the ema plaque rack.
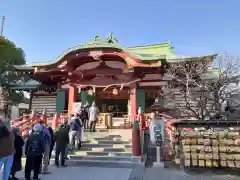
(207, 144)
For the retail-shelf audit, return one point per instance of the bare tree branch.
(203, 86)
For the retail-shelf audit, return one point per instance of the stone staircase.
(106, 149)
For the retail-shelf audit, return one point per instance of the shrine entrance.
(113, 101)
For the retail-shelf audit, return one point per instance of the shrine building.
(119, 79)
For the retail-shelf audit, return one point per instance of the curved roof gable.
(142, 53)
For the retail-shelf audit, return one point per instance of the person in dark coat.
(85, 114)
(62, 140)
(17, 161)
(52, 142)
(7, 150)
(75, 124)
(34, 149)
(66, 125)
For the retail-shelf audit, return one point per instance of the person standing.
(17, 161)
(66, 125)
(6, 150)
(47, 147)
(80, 117)
(34, 150)
(30, 129)
(74, 134)
(85, 117)
(62, 140)
(93, 117)
(52, 142)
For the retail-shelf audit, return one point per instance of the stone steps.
(101, 163)
(102, 153)
(114, 142)
(109, 140)
(94, 145)
(106, 149)
(105, 158)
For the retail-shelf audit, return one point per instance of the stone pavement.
(83, 173)
(159, 173)
(138, 173)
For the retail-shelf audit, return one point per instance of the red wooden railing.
(26, 121)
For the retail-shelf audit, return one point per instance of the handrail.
(24, 122)
(19, 118)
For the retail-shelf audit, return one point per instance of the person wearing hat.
(34, 149)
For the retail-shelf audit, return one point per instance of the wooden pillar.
(44, 117)
(136, 148)
(140, 94)
(72, 97)
(133, 103)
(60, 100)
(84, 97)
(33, 115)
(56, 121)
(30, 100)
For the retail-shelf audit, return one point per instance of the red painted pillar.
(72, 97)
(136, 147)
(44, 117)
(56, 120)
(33, 116)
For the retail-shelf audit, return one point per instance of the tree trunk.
(4, 112)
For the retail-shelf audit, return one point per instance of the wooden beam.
(157, 83)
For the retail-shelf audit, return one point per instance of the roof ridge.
(151, 45)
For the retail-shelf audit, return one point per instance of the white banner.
(156, 130)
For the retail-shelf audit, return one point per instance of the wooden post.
(72, 97)
(33, 116)
(30, 100)
(44, 116)
(136, 147)
(141, 119)
(56, 120)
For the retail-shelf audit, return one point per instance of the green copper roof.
(30, 84)
(176, 59)
(144, 53)
(163, 51)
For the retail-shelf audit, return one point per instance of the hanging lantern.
(115, 91)
(90, 92)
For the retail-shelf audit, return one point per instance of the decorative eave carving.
(95, 54)
(64, 63)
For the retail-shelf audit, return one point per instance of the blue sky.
(45, 28)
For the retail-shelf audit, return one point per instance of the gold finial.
(111, 38)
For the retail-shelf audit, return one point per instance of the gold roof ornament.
(111, 38)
